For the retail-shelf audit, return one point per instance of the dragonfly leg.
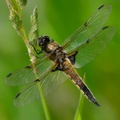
(37, 51)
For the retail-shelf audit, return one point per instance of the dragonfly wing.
(47, 84)
(52, 81)
(93, 46)
(89, 28)
(27, 95)
(26, 74)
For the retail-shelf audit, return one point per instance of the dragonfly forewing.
(89, 28)
(94, 46)
(27, 75)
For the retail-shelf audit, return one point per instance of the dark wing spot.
(86, 24)
(88, 41)
(17, 95)
(104, 27)
(100, 7)
(37, 80)
(72, 58)
(9, 75)
(29, 67)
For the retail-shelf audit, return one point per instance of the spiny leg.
(37, 51)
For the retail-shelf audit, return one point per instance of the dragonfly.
(59, 61)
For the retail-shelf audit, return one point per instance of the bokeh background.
(58, 19)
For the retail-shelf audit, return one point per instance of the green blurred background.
(58, 19)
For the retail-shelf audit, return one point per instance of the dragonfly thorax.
(52, 49)
(55, 52)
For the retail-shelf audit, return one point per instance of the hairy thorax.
(55, 52)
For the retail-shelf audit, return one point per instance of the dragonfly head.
(43, 41)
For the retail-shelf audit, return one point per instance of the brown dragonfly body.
(64, 63)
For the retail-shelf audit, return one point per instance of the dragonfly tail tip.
(96, 103)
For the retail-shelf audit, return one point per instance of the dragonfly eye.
(43, 41)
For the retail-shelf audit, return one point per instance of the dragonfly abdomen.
(70, 71)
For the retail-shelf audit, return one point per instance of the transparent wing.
(26, 74)
(93, 46)
(52, 81)
(89, 29)
(47, 84)
(27, 95)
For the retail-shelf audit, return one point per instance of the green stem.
(16, 18)
(80, 105)
(35, 72)
(47, 116)
(78, 111)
